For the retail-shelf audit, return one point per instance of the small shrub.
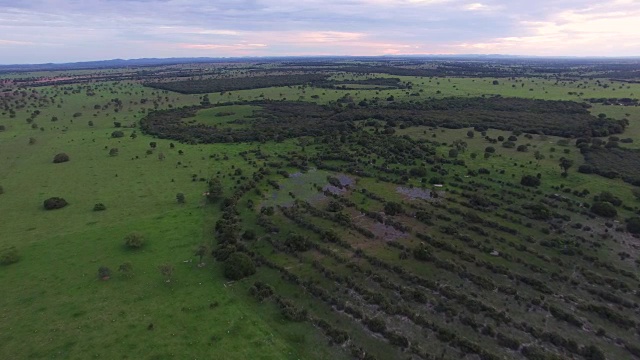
(9, 256)
(104, 273)
(60, 158)
(53, 203)
(99, 207)
(126, 269)
(134, 240)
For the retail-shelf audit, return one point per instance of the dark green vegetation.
(338, 215)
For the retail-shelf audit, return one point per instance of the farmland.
(289, 210)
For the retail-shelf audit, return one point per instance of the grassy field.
(54, 301)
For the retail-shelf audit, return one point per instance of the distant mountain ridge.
(145, 62)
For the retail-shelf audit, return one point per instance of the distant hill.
(145, 62)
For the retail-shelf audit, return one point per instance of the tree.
(460, 145)
(470, 134)
(453, 153)
(134, 240)
(490, 149)
(153, 144)
(538, 156)
(117, 124)
(392, 208)
(32, 141)
(238, 265)
(201, 251)
(126, 269)
(133, 135)
(529, 180)
(166, 270)
(60, 158)
(633, 225)
(117, 134)
(113, 152)
(215, 190)
(180, 198)
(55, 202)
(565, 164)
(104, 273)
(604, 209)
(90, 123)
(161, 156)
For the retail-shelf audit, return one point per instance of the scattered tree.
(530, 180)
(113, 152)
(201, 251)
(215, 190)
(565, 164)
(392, 208)
(104, 273)
(180, 198)
(55, 202)
(117, 134)
(238, 265)
(60, 158)
(134, 240)
(604, 209)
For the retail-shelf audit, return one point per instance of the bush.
(604, 209)
(490, 149)
(104, 273)
(53, 203)
(60, 158)
(238, 265)
(99, 207)
(391, 208)
(180, 198)
(509, 144)
(9, 256)
(117, 134)
(633, 225)
(529, 180)
(134, 240)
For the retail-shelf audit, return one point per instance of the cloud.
(93, 29)
(593, 31)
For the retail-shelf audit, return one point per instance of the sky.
(40, 31)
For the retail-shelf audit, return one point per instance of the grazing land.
(314, 209)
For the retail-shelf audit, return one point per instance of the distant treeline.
(278, 120)
(237, 83)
